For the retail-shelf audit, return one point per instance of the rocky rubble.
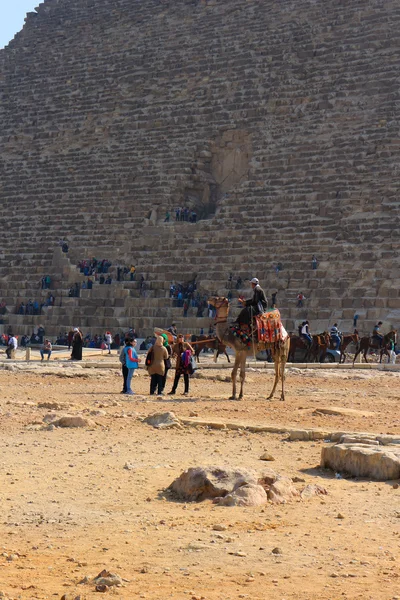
(237, 487)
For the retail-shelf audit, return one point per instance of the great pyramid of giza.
(276, 122)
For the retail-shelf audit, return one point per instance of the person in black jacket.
(256, 305)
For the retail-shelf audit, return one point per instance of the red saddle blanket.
(269, 327)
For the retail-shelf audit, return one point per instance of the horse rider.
(376, 333)
(336, 336)
(255, 306)
(305, 332)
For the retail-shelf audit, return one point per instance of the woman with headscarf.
(182, 351)
(77, 343)
(156, 369)
(167, 361)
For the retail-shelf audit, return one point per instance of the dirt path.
(71, 509)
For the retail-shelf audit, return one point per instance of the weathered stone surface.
(105, 578)
(246, 495)
(73, 421)
(311, 490)
(341, 411)
(200, 483)
(363, 460)
(281, 490)
(163, 420)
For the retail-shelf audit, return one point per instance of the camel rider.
(376, 333)
(305, 333)
(255, 306)
(336, 336)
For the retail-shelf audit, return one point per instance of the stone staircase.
(277, 124)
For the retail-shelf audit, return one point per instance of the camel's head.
(221, 305)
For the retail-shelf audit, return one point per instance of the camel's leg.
(216, 354)
(227, 356)
(276, 358)
(282, 367)
(365, 354)
(242, 374)
(233, 375)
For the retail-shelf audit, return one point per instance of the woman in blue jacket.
(131, 361)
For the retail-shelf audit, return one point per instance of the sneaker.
(186, 393)
(130, 393)
(171, 393)
(123, 392)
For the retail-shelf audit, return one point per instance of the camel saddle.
(269, 328)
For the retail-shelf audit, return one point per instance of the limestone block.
(363, 460)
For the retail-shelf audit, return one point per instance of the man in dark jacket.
(256, 305)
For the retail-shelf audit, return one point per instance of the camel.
(279, 351)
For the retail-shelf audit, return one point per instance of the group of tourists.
(183, 214)
(93, 266)
(34, 307)
(158, 363)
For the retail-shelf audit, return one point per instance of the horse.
(370, 341)
(297, 343)
(314, 351)
(345, 341)
(201, 342)
(319, 346)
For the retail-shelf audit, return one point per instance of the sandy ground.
(71, 509)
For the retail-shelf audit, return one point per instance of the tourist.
(182, 351)
(77, 344)
(167, 361)
(392, 352)
(108, 281)
(173, 329)
(300, 300)
(132, 363)
(273, 299)
(314, 262)
(238, 283)
(305, 333)
(255, 306)
(132, 272)
(335, 336)
(108, 341)
(12, 346)
(156, 369)
(125, 371)
(46, 349)
(355, 319)
(167, 216)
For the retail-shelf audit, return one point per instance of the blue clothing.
(130, 353)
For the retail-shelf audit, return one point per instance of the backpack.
(149, 357)
(185, 358)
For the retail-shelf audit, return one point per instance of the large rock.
(363, 460)
(200, 483)
(73, 421)
(281, 490)
(163, 420)
(246, 495)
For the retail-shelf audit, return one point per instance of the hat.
(255, 280)
(76, 329)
